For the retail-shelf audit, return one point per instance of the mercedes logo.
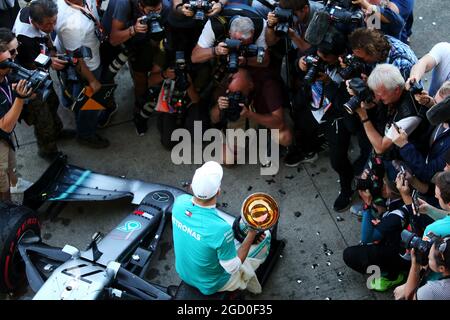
(160, 197)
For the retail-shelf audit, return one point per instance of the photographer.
(140, 26)
(78, 26)
(252, 109)
(387, 12)
(426, 166)
(32, 28)
(303, 11)
(439, 262)
(240, 28)
(380, 235)
(179, 105)
(438, 60)
(373, 47)
(186, 26)
(12, 98)
(398, 110)
(338, 124)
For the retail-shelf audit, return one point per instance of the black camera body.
(345, 12)
(315, 65)
(72, 57)
(354, 68)
(285, 18)
(153, 21)
(236, 49)
(38, 80)
(181, 79)
(362, 94)
(421, 247)
(374, 181)
(200, 7)
(415, 88)
(233, 112)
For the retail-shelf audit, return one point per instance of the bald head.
(241, 81)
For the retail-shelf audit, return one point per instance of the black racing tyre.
(16, 224)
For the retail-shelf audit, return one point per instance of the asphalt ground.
(305, 194)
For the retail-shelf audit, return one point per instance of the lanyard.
(7, 94)
(87, 12)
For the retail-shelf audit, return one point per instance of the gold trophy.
(259, 212)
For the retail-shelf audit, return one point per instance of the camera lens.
(352, 104)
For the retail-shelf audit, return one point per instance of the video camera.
(285, 18)
(153, 21)
(354, 68)
(181, 79)
(362, 94)
(374, 180)
(38, 80)
(200, 7)
(421, 247)
(237, 49)
(233, 112)
(315, 65)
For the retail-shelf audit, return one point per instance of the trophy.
(259, 212)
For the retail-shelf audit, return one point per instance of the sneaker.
(49, 156)
(140, 124)
(95, 141)
(21, 186)
(357, 209)
(105, 117)
(342, 202)
(382, 284)
(294, 158)
(66, 134)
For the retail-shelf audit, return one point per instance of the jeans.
(86, 120)
(369, 233)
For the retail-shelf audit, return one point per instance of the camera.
(362, 94)
(315, 65)
(374, 180)
(153, 21)
(233, 112)
(285, 19)
(115, 65)
(237, 49)
(354, 68)
(199, 7)
(71, 57)
(345, 13)
(415, 88)
(421, 247)
(38, 80)
(181, 79)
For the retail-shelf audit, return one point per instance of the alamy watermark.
(235, 146)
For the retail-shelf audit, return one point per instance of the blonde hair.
(444, 90)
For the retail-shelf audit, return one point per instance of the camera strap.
(9, 93)
(87, 12)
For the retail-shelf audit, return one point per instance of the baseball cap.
(207, 179)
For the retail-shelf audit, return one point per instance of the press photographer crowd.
(326, 74)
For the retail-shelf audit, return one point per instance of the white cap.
(206, 181)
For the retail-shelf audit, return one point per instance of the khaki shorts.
(7, 165)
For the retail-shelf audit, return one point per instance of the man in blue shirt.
(205, 252)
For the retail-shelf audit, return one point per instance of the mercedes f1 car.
(114, 265)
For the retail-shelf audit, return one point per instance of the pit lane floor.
(305, 195)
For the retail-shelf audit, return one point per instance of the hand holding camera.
(22, 89)
(221, 49)
(140, 27)
(222, 102)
